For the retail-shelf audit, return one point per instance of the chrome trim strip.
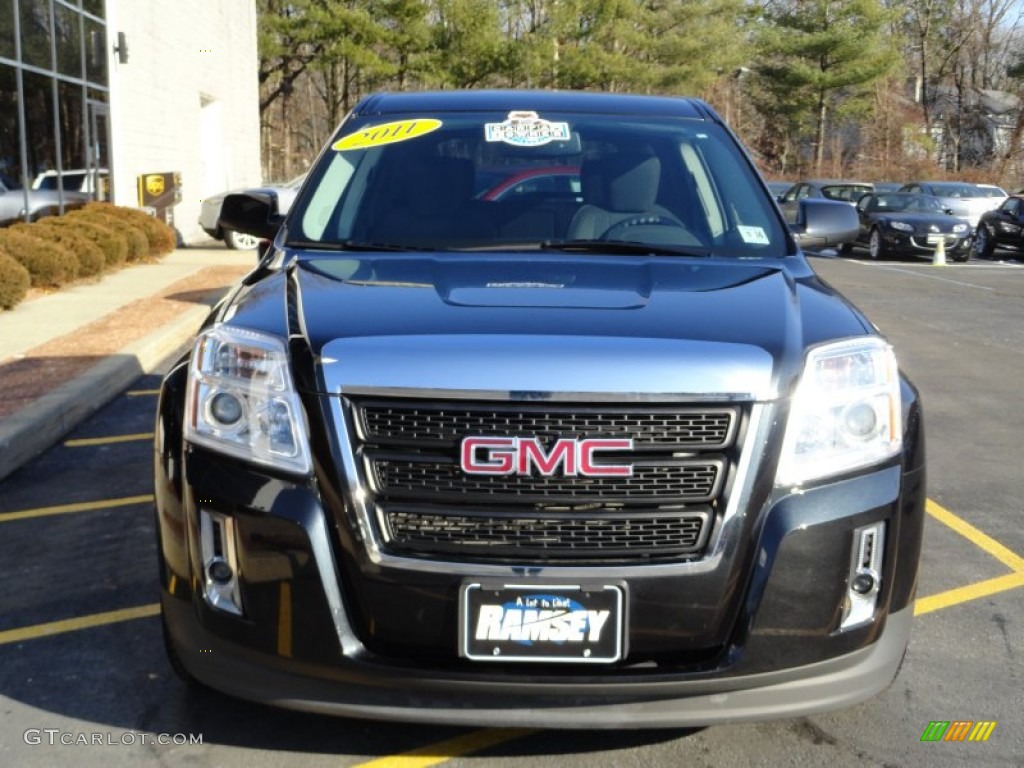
(317, 531)
(548, 367)
(762, 416)
(546, 397)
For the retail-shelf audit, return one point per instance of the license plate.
(933, 239)
(541, 623)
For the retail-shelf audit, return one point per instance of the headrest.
(439, 185)
(625, 182)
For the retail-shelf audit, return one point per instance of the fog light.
(220, 572)
(863, 583)
(865, 576)
(220, 561)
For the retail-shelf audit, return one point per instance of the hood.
(923, 222)
(500, 324)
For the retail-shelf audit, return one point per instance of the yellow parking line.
(89, 441)
(142, 392)
(981, 540)
(63, 509)
(81, 622)
(443, 751)
(970, 592)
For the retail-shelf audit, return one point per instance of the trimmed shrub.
(49, 264)
(91, 261)
(138, 243)
(14, 281)
(162, 238)
(113, 244)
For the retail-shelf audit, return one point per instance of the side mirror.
(823, 223)
(254, 213)
(948, 211)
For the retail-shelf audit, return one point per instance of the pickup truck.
(605, 454)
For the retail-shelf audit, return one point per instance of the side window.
(1012, 206)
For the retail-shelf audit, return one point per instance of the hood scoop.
(542, 294)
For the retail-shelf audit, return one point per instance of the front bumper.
(901, 242)
(368, 690)
(783, 656)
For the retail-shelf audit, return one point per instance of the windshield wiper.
(616, 247)
(352, 245)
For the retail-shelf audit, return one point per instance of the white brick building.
(182, 97)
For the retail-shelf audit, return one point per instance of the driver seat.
(618, 189)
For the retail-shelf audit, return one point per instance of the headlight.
(958, 228)
(846, 412)
(241, 400)
(901, 226)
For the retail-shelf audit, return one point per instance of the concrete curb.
(30, 431)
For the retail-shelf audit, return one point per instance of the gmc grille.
(427, 507)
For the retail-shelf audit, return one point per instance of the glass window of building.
(36, 33)
(68, 33)
(7, 49)
(10, 165)
(53, 84)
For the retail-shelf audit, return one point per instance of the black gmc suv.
(598, 451)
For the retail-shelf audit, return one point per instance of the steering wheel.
(640, 220)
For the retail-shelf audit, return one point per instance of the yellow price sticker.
(386, 133)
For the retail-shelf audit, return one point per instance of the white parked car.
(87, 180)
(965, 201)
(209, 214)
(994, 193)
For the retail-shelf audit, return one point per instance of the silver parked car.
(963, 200)
(209, 214)
(825, 189)
(40, 202)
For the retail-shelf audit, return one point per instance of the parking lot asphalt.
(83, 679)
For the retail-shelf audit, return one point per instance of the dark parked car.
(827, 189)
(901, 223)
(616, 462)
(1001, 228)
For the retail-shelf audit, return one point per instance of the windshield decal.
(526, 129)
(386, 133)
(754, 235)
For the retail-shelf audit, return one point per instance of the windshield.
(849, 193)
(526, 180)
(899, 202)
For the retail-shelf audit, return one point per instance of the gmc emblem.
(524, 455)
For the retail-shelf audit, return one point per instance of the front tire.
(238, 241)
(876, 246)
(984, 244)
